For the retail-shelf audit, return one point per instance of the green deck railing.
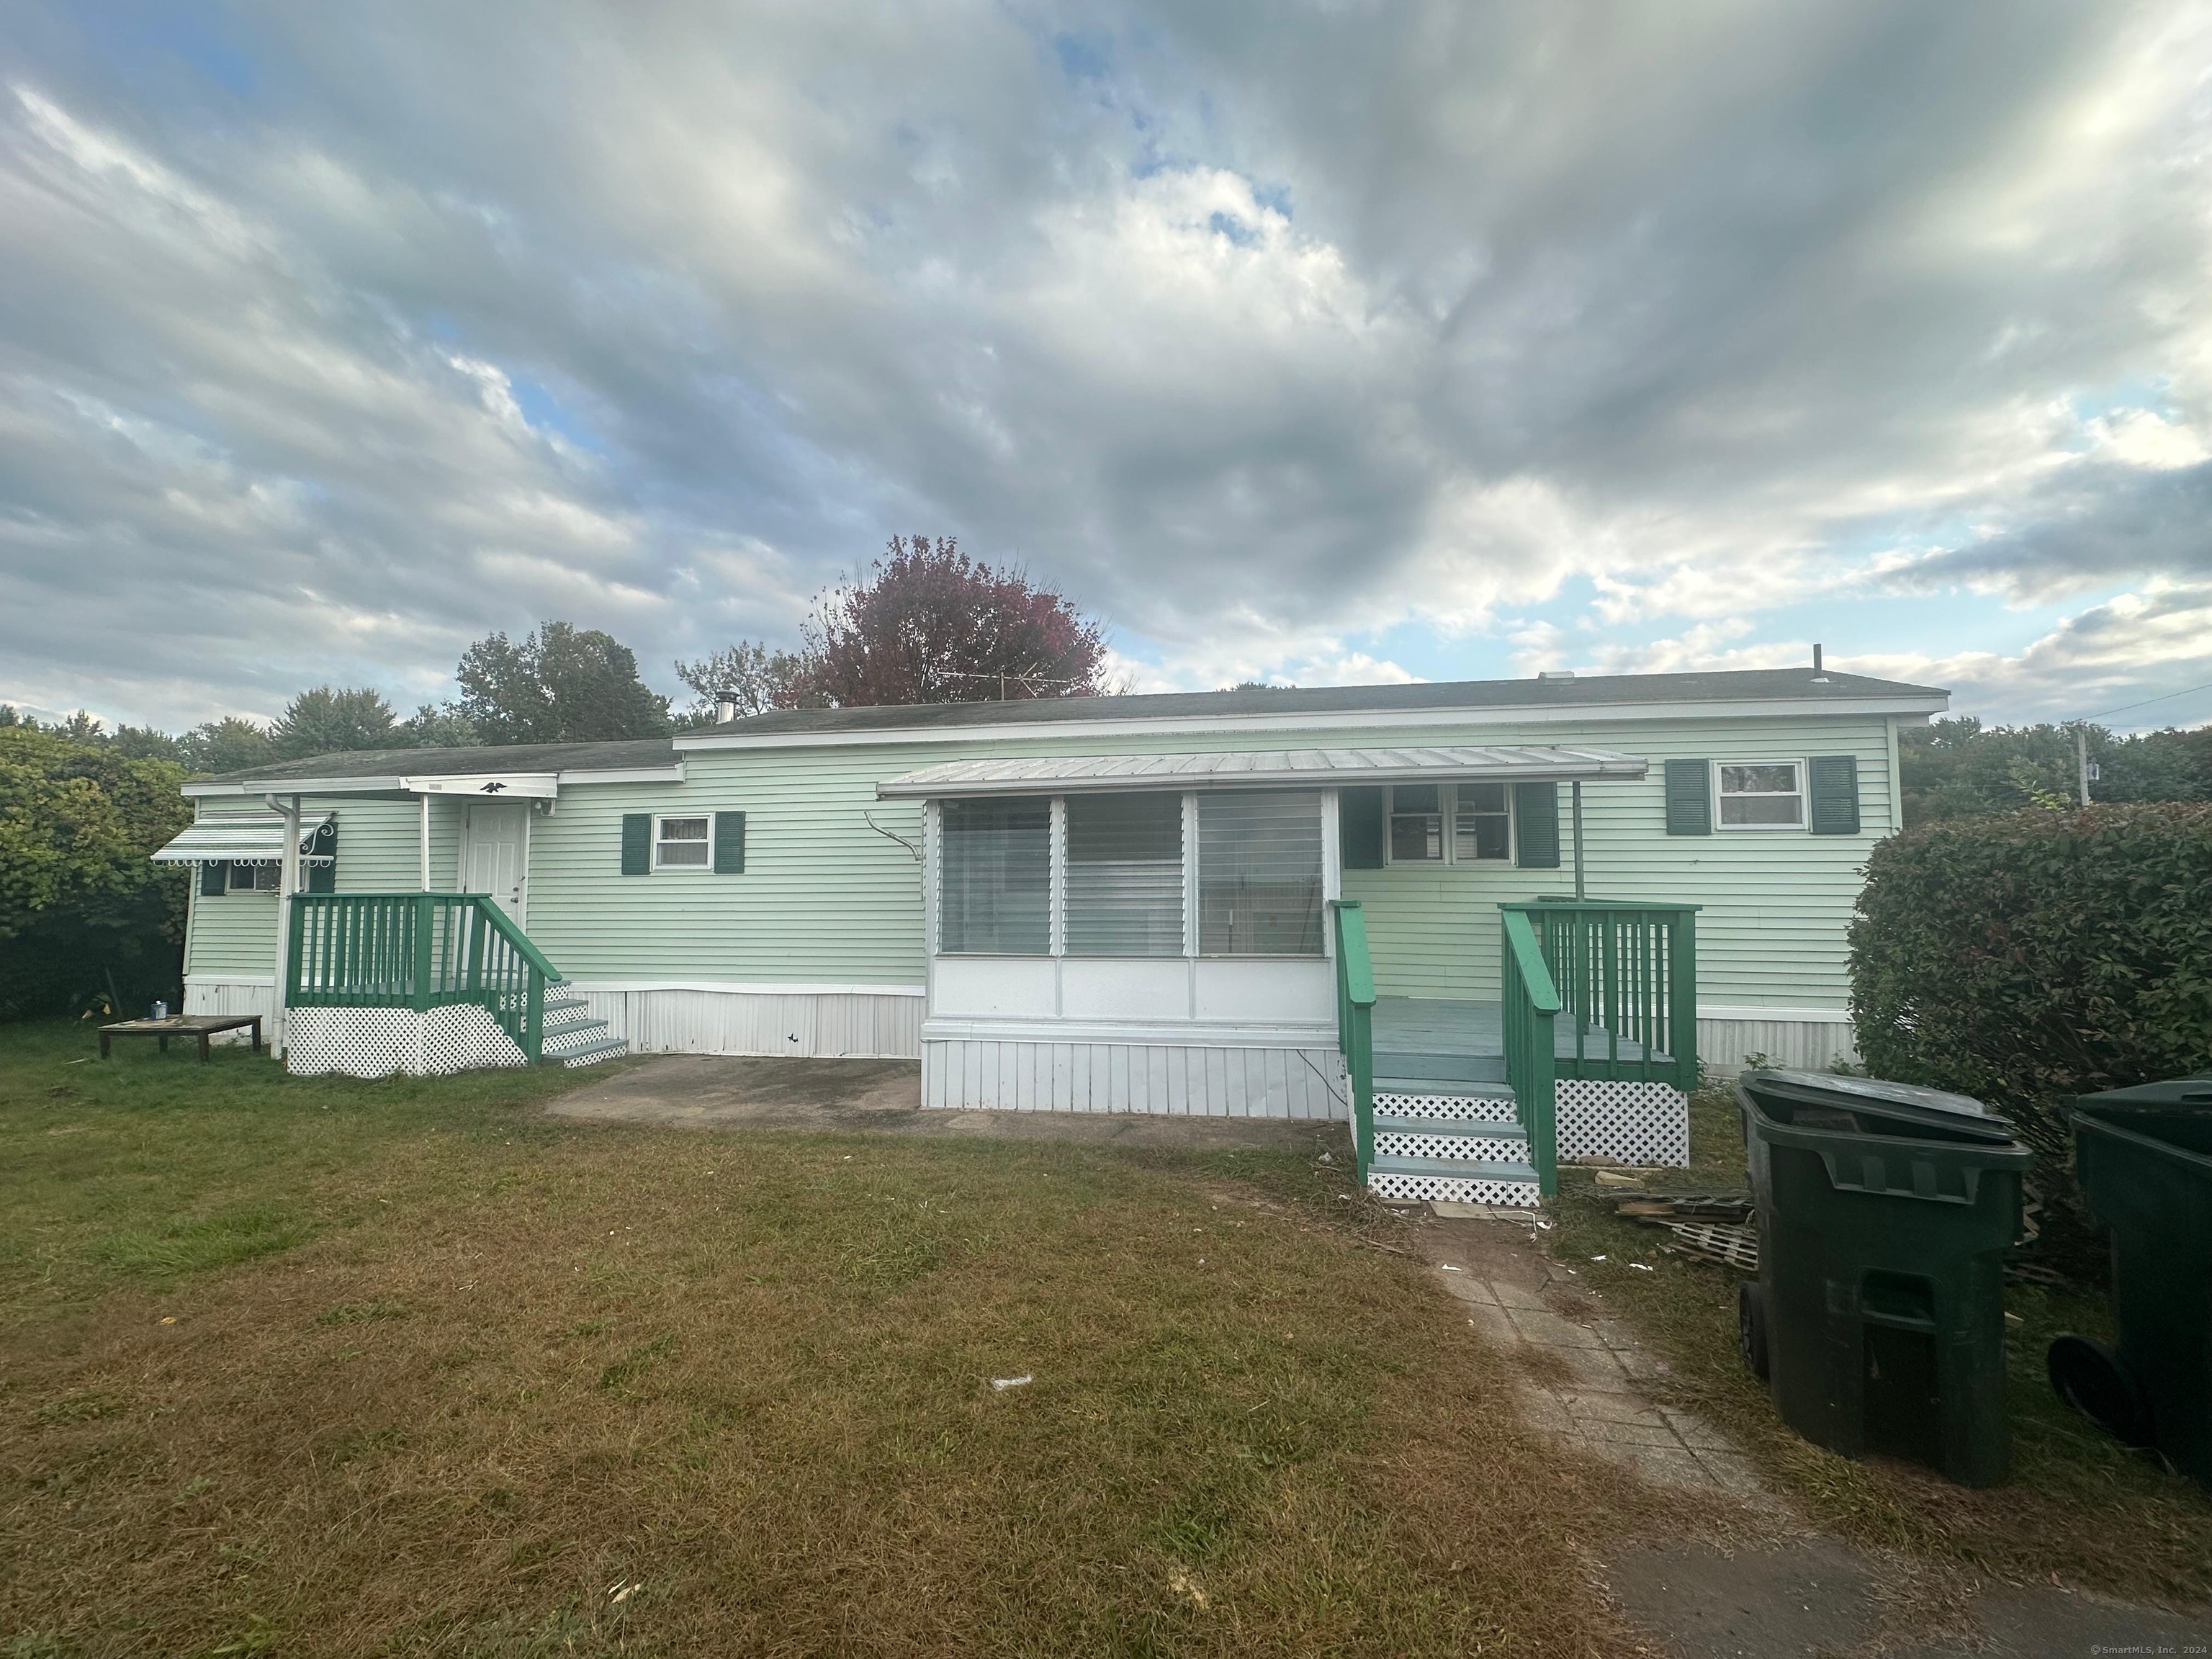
(1355, 1026)
(419, 951)
(1626, 975)
(1528, 1008)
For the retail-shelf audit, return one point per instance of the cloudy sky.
(1325, 343)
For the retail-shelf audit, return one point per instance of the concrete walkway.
(884, 1097)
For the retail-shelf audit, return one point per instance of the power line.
(2147, 701)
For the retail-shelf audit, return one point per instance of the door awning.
(1319, 768)
(241, 838)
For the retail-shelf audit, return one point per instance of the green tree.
(82, 908)
(438, 725)
(755, 677)
(1960, 768)
(327, 720)
(230, 745)
(561, 685)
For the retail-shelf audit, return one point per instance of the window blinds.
(1124, 875)
(1258, 873)
(997, 878)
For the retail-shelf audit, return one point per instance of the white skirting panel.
(802, 1025)
(1182, 1079)
(206, 993)
(1727, 1046)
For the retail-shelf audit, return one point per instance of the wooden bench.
(202, 1026)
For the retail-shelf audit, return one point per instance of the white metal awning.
(1254, 768)
(240, 838)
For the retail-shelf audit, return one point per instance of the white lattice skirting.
(379, 1042)
(1446, 1108)
(1639, 1123)
(1454, 1189)
(1467, 1148)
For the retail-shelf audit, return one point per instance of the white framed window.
(1417, 823)
(1482, 823)
(683, 843)
(994, 876)
(1124, 875)
(1759, 795)
(254, 878)
(1259, 873)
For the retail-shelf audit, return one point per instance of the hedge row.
(2024, 957)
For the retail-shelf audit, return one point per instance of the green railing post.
(1355, 1026)
(1682, 1000)
(1531, 1003)
(293, 950)
(533, 1023)
(425, 908)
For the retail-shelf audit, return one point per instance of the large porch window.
(997, 878)
(1124, 875)
(1259, 873)
(1125, 868)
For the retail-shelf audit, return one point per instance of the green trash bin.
(2143, 1156)
(1884, 1213)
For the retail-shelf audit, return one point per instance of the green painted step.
(1459, 1128)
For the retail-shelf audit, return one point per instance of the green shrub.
(2023, 957)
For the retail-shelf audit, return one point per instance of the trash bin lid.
(1903, 1103)
(2171, 1094)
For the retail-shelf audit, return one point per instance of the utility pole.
(2082, 760)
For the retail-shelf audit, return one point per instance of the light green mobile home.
(1128, 903)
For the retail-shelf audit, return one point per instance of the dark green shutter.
(637, 843)
(1536, 825)
(324, 878)
(1689, 798)
(1835, 788)
(729, 843)
(215, 880)
(1360, 828)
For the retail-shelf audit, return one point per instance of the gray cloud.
(337, 339)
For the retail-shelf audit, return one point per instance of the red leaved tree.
(926, 623)
(929, 624)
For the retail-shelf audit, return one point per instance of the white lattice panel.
(463, 1037)
(353, 1042)
(1454, 1189)
(1640, 1123)
(380, 1041)
(1453, 1106)
(1467, 1149)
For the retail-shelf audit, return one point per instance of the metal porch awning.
(241, 838)
(1317, 769)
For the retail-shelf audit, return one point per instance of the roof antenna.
(1819, 679)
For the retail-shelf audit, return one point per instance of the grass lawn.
(2078, 1506)
(322, 1367)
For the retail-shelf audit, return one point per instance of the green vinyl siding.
(825, 898)
(379, 852)
(1777, 904)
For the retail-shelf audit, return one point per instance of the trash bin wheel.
(1751, 1328)
(2092, 1379)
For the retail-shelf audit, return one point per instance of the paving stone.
(1549, 1330)
(1611, 1406)
(1627, 1434)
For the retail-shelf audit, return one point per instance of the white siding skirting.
(233, 993)
(1178, 1078)
(1725, 1046)
(798, 1022)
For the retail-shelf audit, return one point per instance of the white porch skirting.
(1805, 1040)
(379, 1042)
(1185, 1079)
(796, 1022)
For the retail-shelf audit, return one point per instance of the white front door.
(495, 858)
